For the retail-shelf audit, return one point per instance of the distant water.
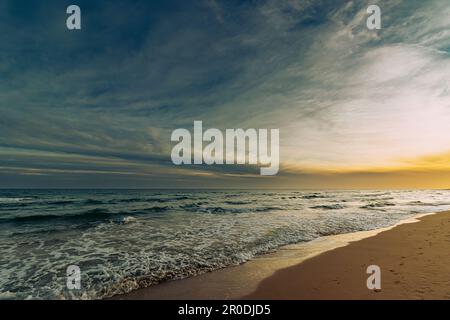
(126, 239)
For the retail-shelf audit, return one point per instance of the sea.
(122, 240)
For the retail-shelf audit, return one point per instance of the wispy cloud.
(105, 100)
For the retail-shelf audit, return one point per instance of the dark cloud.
(139, 69)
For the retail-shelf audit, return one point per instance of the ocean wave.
(232, 195)
(89, 214)
(265, 209)
(13, 205)
(329, 207)
(60, 202)
(93, 202)
(129, 219)
(216, 210)
(14, 200)
(420, 203)
(135, 239)
(369, 195)
(378, 199)
(113, 201)
(144, 200)
(28, 202)
(236, 203)
(380, 204)
(194, 207)
(314, 196)
(97, 214)
(153, 209)
(429, 204)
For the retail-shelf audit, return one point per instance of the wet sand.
(414, 259)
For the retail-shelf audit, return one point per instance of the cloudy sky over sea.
(355, 107)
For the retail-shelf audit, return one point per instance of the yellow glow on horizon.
(430, 163)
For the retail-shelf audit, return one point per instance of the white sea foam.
(12, 200)
(129, 239)
(128, 220)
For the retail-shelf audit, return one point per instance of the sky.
(95, 108)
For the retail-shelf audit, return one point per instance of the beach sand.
(414, 259)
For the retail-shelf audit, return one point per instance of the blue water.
(127, 239)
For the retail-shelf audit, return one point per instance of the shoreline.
(414, 260)
(264, 277)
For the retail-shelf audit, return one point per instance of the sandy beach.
(413, 256)
(414, 261)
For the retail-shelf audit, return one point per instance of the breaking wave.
(126, 239)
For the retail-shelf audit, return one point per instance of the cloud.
(108, 97)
